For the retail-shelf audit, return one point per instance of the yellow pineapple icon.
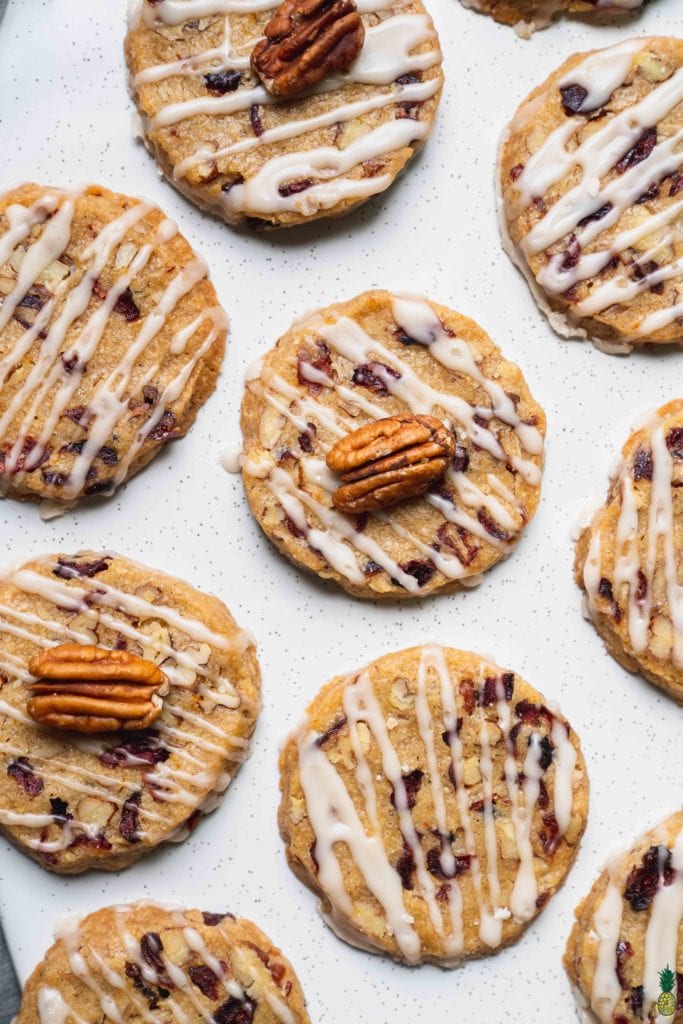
(666, 1004)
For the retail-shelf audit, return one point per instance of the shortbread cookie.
(591, 174)
(74, 800)
(625, 953)
(378, 356)
(233, 147)
(527, 15)
(142, 961)
(435, 802)
(629, 560)
(111, 339)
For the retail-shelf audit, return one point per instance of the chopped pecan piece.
(389, 460)
(88, 689)
(306, 40)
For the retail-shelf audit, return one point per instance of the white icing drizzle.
(571, 214)
(387, 55)
(60, 366)
(105, 605)
(629, 568)
(337, 537)
(335, 818)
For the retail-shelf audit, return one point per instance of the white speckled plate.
(64, 118)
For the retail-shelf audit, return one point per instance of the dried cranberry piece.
(255, 118)
(596, 215)
(516, 171)
(624, 951)
(460, 866)
(151, 948)
(206, 981)
(25, 456)
(550, 833)
(134, 974)
(164, 429)
(320, 359)
(220, 82)
(130, 818)
(651, 193)
(421, 570)
(572, 255)
(371, 568)
(368, 376)
(212, 919)
(292, 188)
(68, 569)
(237, 180)
(635, 1001)
(332, 731)
(97, 842)
(643, 882)
(674, 442)
(408, 110)
(75, 414)
(492, 527)
(126, 306)
(108, 455)
(405, 867)
(641, 151)
(235, 1011)
(408, 79)
(458, 540)
(531, 714)
(24, 775)
(642, 465)
(70, 363)
(545, 756)
(676, 186)
(490, 692)
(60, 810)
(468, 695)
(293, 528)
(305, 442)
(461, 460)
(412, 782)
(573, 98)
(136, 751)
(605, 589)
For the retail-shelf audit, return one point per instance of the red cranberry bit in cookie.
(573, 98)
(674, 442)
(411, 782)
(220, 82)
(373, 376)
(23, 773)
(644, 881)
(641, 151)
(165, 428)
(235, 1011)
(420, 569)
(130, 818)
(292, 188)
(207, 982)
(642, 465)
(312, 364)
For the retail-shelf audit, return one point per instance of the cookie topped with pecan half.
(111, 338)
(528, 15)
(435, 802)
(142, 961)
(127, 699)
(389, 446)
(279, 113)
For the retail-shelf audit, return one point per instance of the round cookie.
(377, 356)
(624, 957)
(232, 147)
(435, 803)
(629, 561)
(591, 176)
(141, 961)
(528, 15)
(111, 338)
(74, 801)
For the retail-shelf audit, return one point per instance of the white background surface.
(64, 119)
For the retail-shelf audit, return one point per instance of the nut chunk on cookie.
(591, 177)
(390, 447)
(111, 338)
(629, 560)
(435, 802)
(127, 699)
(277, 114)
(624, 957)
(142, 961)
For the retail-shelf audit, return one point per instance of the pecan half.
(306, 40)
(387, 461)
(89, 689)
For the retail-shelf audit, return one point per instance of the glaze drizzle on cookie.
(337, 819)
(387, 61)
(491, 513)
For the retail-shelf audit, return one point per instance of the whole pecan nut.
(306, 40)
(88, 689)
(389, 460)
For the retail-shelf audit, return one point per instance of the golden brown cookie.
(528, 15)
(111, 338)
(435, 802)
(233, 147)
(629, 560)
(379, 356)
(142, 961)
(624, 957)
(75, 800)
(591, 176)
